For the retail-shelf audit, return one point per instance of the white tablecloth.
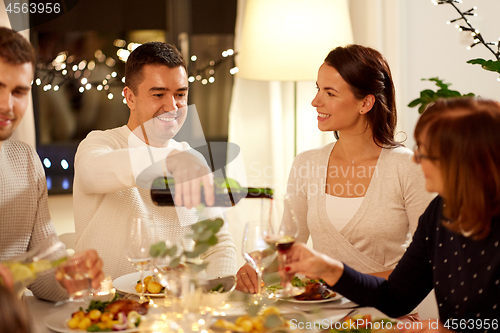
(332, 311)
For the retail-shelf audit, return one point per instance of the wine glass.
(256, 251)
(283, 240)
(163, 269)
(138, 240)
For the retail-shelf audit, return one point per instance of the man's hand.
(94, 265)
(190, 171)
(6, 276)
(247, 280)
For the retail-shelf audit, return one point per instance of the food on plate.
(151, 284)
(117, 315)
(126, 306)
(314, 289)
(217, 289)
(270, 318)
(364, 324)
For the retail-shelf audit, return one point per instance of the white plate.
(331, 299)
(126, 284)
(58, 321)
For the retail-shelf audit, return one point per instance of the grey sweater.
(24, 212)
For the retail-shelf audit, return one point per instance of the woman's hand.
(313, 264)
(246, 279)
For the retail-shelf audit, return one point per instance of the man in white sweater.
(106, 190)
(24, 214)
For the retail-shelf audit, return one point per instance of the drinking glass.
(138, 240)
(283, 240)
(76, 277)
(46, 255)
(256, 251)
(162, 266)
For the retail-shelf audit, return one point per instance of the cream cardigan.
(378, 234)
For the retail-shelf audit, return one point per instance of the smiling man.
(24, 212)
(107, 164)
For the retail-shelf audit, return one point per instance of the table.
(40, 310)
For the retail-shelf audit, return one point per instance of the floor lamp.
(287, 40)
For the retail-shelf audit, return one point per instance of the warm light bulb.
(82, 64)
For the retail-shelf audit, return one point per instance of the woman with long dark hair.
(359, 198)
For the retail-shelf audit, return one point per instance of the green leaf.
(157, 250)
(175, 262)
(172, 251)
(427, 95)
(273, 321)
(253, 309)
(439, 82)
(213, 240)
(415, 102)
(196, 268)
(199, 249)
(204, 236)
(422, 107)
(489, 65)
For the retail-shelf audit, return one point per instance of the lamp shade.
(287, 40)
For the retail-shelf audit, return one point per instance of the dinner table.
(324, 314)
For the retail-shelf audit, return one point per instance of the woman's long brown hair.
(463, 134)
(368, 73)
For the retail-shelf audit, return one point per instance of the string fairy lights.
(67, 70)
(465, 25)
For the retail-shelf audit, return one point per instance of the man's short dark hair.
(153, 53)
(14, 48)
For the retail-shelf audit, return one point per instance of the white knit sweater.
(105, 194)
(376, 237)
(24, 213)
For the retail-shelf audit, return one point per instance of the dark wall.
(207, 16)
